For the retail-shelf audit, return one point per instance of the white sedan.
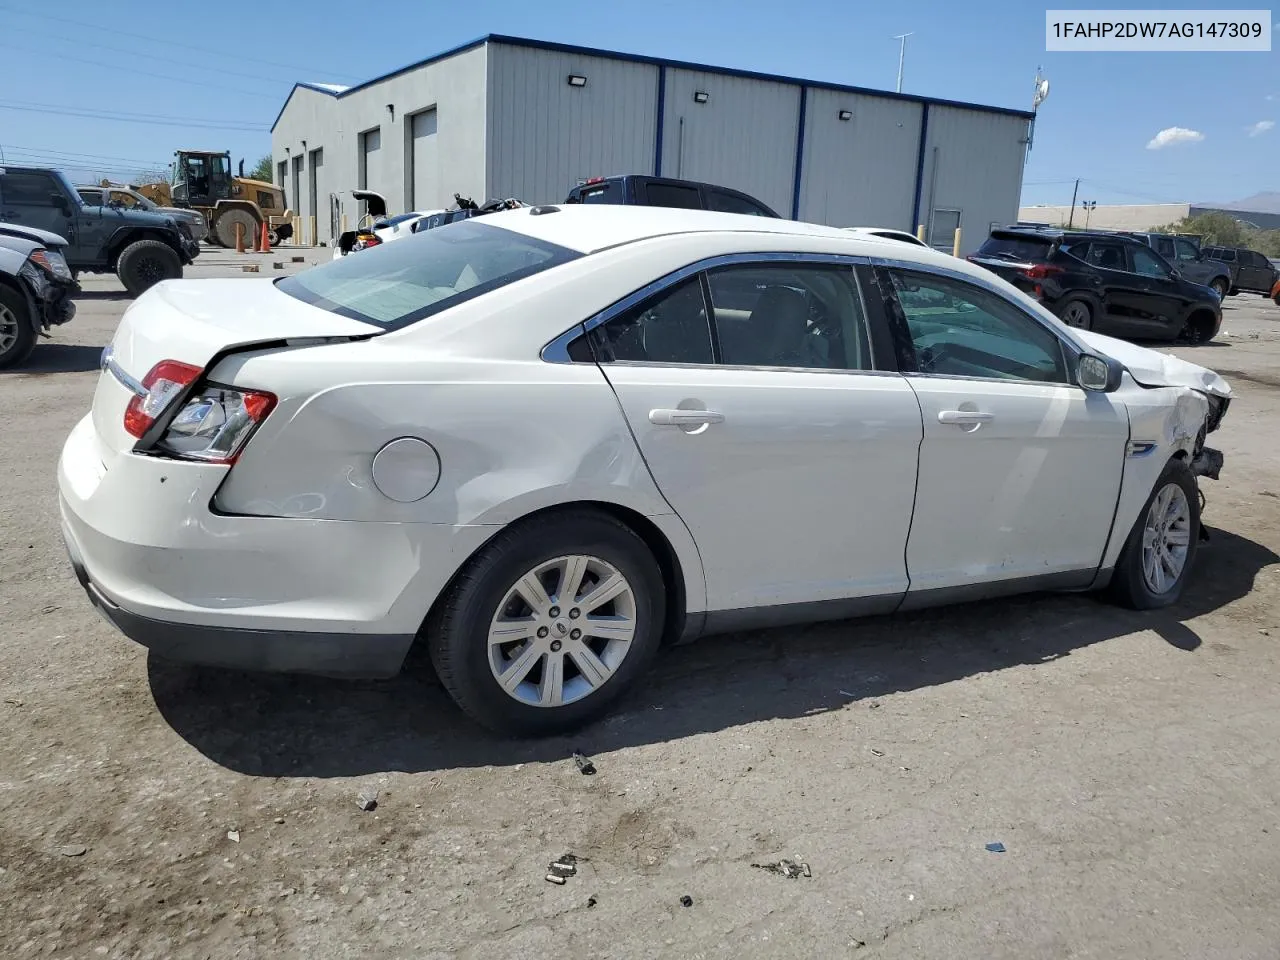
(547, 441)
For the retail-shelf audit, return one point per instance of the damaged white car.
(545, 442)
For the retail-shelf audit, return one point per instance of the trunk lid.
(191, 321)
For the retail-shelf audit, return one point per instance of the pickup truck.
(1185, 255)
(1251, 272)
(649, 191)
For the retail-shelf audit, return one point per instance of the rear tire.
(1220, 287)
(553, 657)
(145, 263)
(225, 228)
(1076, 312)
(1157, 558)
(17, 331)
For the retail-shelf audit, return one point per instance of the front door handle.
(965, 417)
(684, 418)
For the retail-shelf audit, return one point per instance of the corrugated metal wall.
(859, 172)
(455, 86)
(973, 163)
(743, 137)
(545, 135)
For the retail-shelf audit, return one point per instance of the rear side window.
(397, 284)
(1011, 248)
(1163, 246)
(724, 202)
(1186, 249)
(1107, 255)
(670, 327)
(672, 195)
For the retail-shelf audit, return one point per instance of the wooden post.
(313, 232)
(239, 237)
(955, 247)
(920, 233)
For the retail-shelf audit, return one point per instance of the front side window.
(1163, 246)
(396, 284)
(1148, 264)
(125, 199)
(670, 327)
(1186, 249)
(789, 315)
(31, 188)
(91, 198)
(960, 330)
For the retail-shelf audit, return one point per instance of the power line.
(75, 156)
(151, 56)
(168, 41)
(117, 117)
(148, 73)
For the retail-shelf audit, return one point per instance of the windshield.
(397, 284)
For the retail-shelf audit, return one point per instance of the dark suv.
(140, 247)
(648, 191)
(1185, 254)
(1250, 270)
(1103, 281)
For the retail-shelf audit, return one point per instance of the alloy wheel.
(1166, 538)
(8, 329)
(1076, 315)
(562, 630)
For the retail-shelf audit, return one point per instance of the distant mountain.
(1266, 202)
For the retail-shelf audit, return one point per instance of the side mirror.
(1098, 374)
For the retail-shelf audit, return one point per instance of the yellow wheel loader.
(202, 180)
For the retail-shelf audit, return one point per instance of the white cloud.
(1171, 135)
(1261, 127)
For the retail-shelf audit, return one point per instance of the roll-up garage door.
(426, 166)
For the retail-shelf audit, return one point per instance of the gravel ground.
(1129, 764)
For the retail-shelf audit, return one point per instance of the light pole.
(1088, 210)
(902, 55)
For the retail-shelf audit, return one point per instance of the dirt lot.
(1130, 765)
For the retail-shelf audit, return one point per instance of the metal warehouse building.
(510, 117)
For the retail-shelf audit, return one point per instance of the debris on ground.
(277, 265)
(877, 753)
(298, 259)
(786, 868)
(558, 871)
(233, 836)
(73, 850)
(585, 766)
(278, 820)
(686, 901)
(15, 702)
(592, 901)
(250, 268)
(996, 847)
(367, 800)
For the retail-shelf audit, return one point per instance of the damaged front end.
(51, 292)
(1206, 461)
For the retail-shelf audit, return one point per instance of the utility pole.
(902, 55)
(1072, 215)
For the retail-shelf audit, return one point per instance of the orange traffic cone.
(264, 240)
(239, 237)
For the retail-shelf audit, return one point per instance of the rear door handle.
(684, 418)
(965, 417)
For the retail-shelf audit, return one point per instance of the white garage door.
(426, 165)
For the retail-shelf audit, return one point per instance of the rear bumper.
(313, 596)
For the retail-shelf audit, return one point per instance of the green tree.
(261, 170)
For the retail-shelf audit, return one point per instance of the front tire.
(1161, 549)
(17, 331)
(145, 263)
(1220, 287)
(549, 624)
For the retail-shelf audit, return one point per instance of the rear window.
(1007, 247)
(597, 193)
(397, 284)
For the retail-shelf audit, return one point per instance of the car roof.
(1030, 232)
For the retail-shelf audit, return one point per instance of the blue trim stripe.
(795, 189)
(662, 111)
(924, 138)
(658, 62)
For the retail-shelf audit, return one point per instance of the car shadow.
(274, 726)
(103, 295)
(59, 358)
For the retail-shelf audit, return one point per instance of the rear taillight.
(1039, 271)
(214, 422)
(165, 381)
